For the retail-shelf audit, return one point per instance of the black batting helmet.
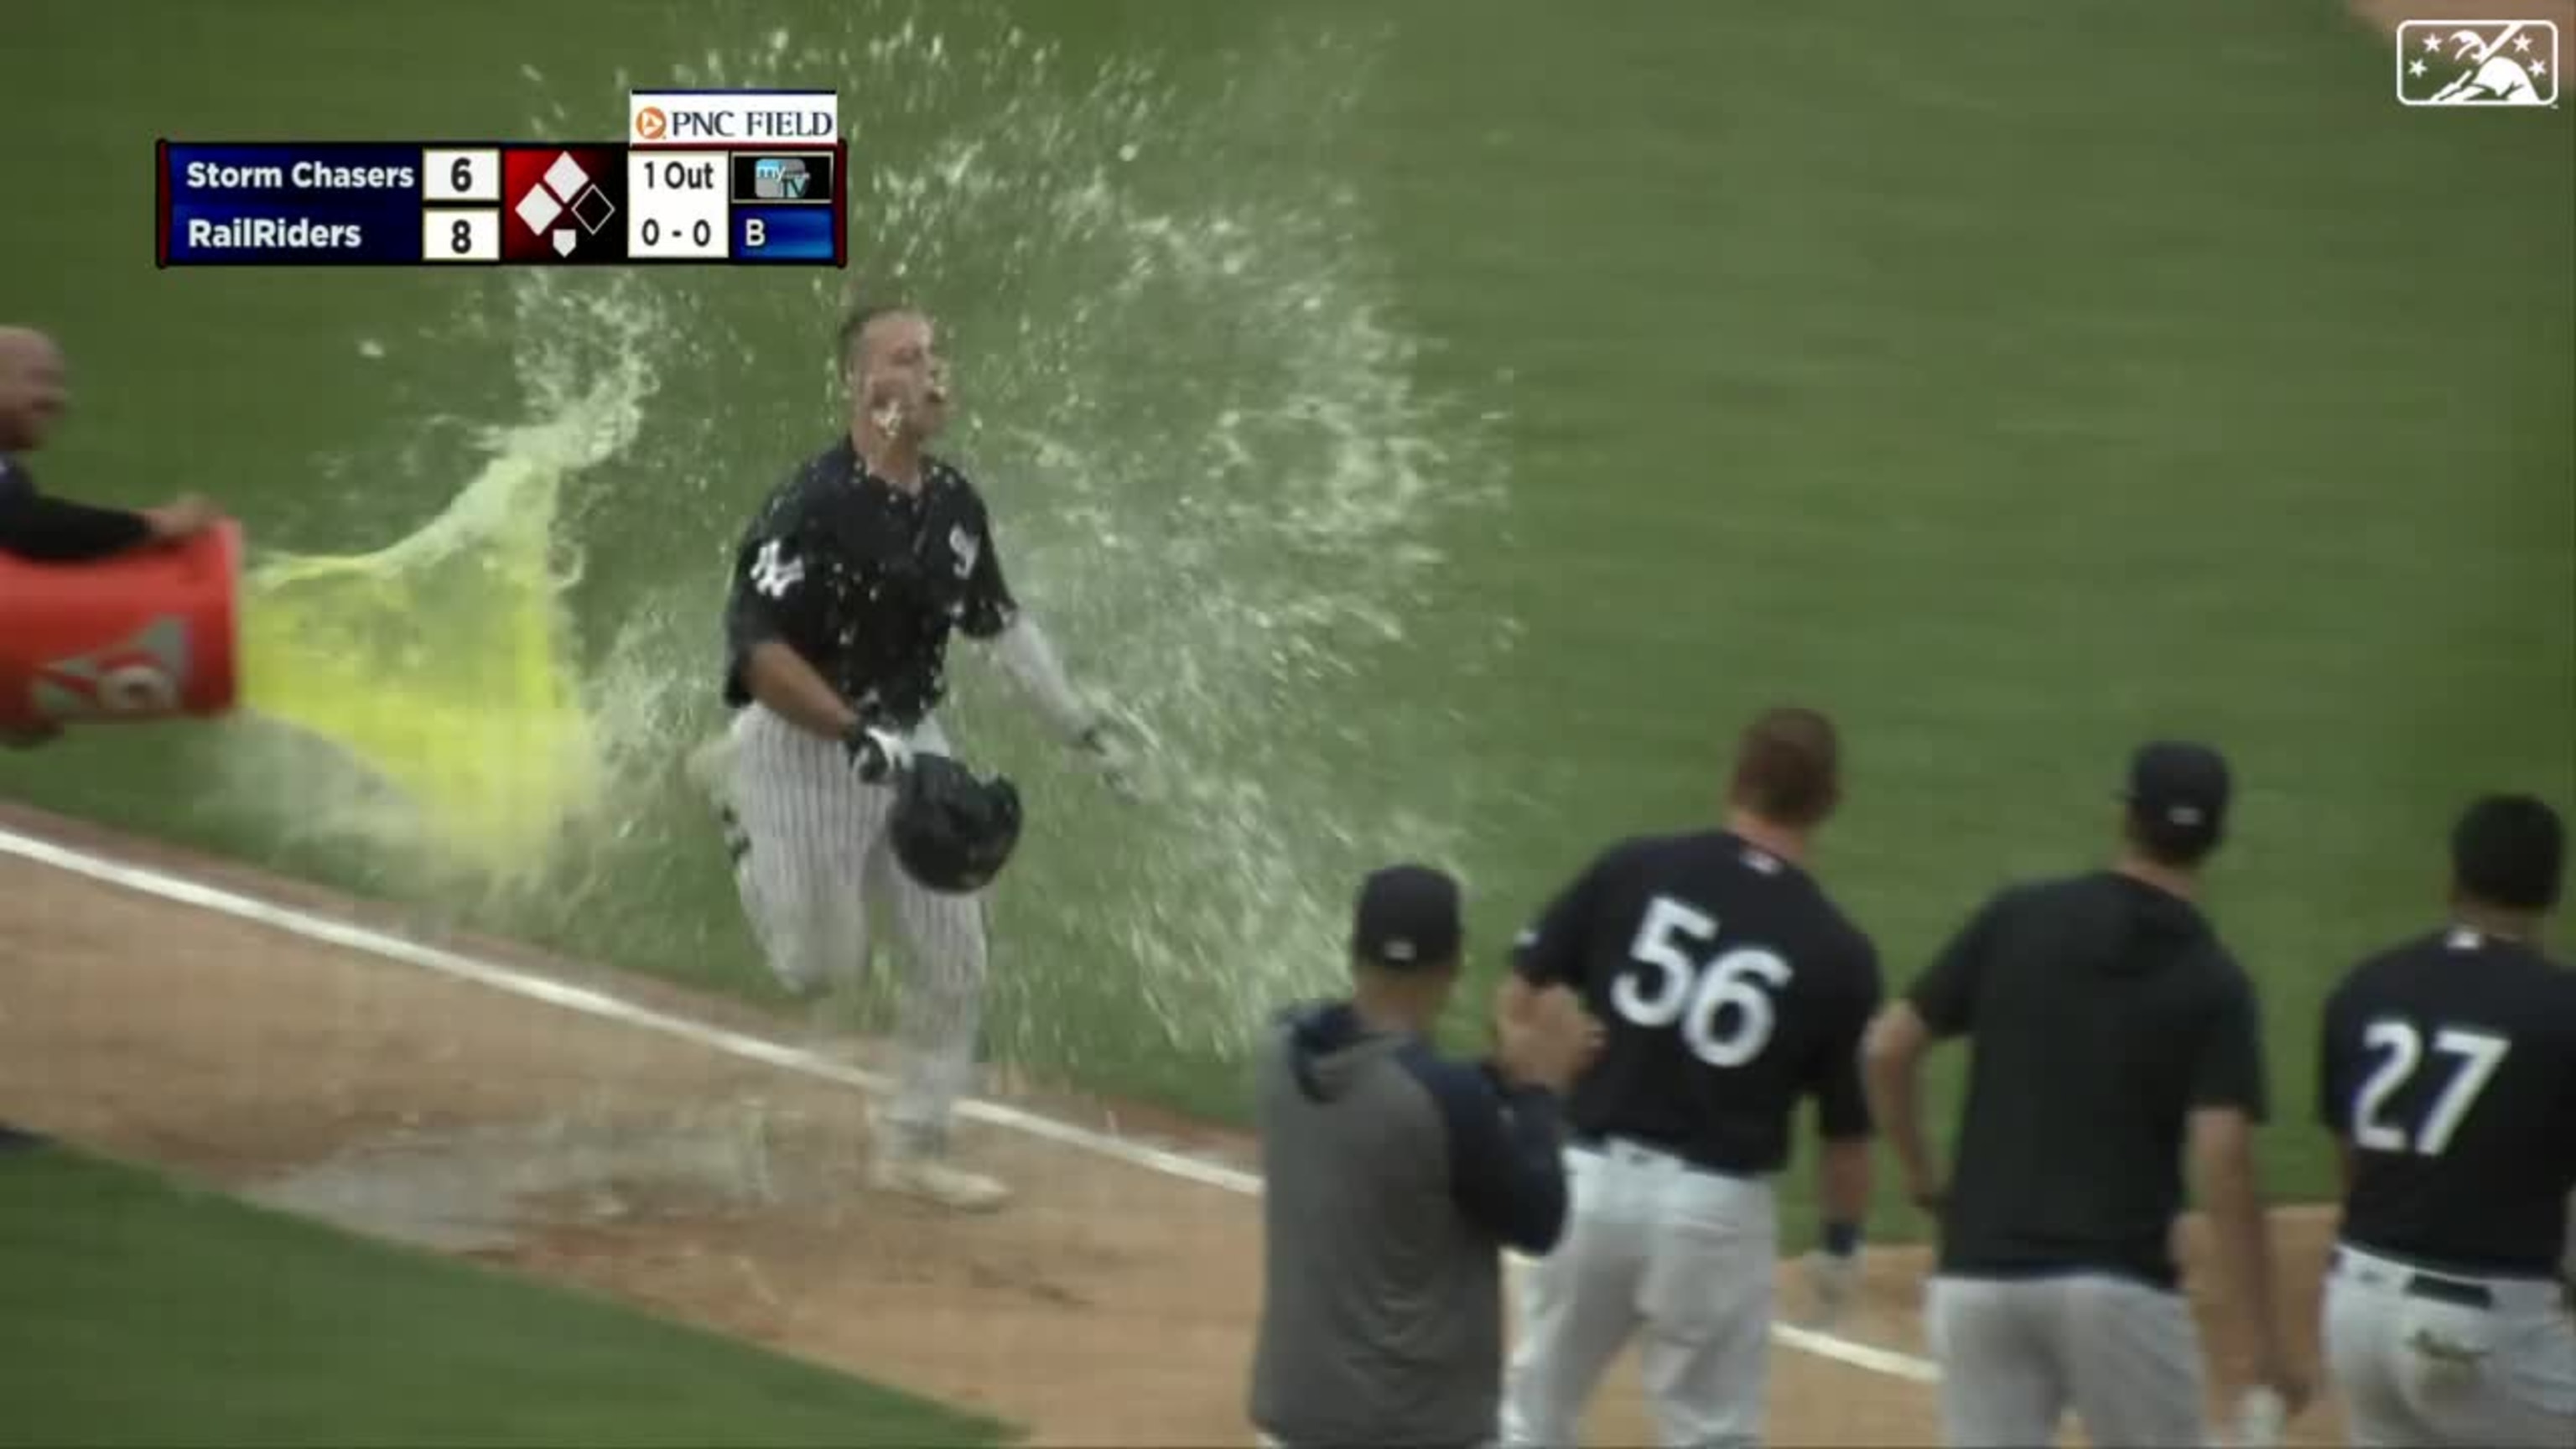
(951, 831)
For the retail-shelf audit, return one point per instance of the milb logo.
(2477, 63)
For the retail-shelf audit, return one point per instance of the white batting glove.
(1835, 1281)
(876, 754)
(1111, 757)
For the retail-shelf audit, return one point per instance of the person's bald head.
(32, 390)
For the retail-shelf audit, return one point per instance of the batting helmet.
(951, 831)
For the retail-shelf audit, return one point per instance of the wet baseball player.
(1393, 1179)
(2114, 1036)
(1732, 989)
(33, 396)
(2447, 1073)
(846, 587)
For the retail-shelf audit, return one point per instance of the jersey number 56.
(1668, 985)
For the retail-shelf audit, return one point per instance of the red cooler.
(143, 635)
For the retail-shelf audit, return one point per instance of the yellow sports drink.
(444, 667)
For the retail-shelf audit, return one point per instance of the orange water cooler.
(145, 635)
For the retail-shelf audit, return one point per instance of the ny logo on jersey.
(965, 546)
(773, 573)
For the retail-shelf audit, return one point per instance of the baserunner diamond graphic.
(538, 210)
(594, 209)
(565, 178)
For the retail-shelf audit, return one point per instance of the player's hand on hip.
(876, 754)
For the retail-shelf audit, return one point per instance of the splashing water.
(1212, 472)
(425, 700)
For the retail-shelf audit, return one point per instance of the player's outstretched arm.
(1030, 658)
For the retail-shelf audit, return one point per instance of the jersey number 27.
(2479, 1054)
(1669, 985)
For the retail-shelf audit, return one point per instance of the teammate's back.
(2446, 1069)
(2112, 1037)
(2470, 1164)
(2104, 1010)
(1730, 987)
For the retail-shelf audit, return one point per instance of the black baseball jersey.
(2449, 1063)
(865, 582)
(1728, 986)
(57, 530)
(2103, 1011)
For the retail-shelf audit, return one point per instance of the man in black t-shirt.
(1732, 989)
(2447, 1073)
(846, 588)
(2114, 1033)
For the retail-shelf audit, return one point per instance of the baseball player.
(2113, 1034)
(33, 396)
(845, 589)
(1731, 988)
(2447, 1073)
(1394, 1177)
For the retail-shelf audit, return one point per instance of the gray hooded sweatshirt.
(1393, 1180)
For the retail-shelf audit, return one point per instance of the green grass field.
(2016, 388)
(145, 1312)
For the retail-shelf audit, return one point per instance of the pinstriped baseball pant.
(812, 848)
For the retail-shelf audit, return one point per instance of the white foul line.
(146, 881)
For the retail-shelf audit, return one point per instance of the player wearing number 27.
(1731, 988)
(2447, 1073)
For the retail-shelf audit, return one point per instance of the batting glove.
(1117, 766)
(874, 753)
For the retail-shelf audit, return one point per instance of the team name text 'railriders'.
(269, 231)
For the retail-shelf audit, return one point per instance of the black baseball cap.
(2178, 791)
(1407, 917)
(2510, 851)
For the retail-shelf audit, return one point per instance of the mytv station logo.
(733, 118)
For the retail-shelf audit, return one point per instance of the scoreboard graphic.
(725, 177)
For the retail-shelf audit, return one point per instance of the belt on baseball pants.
(1624, 1149)
(2440, 1288)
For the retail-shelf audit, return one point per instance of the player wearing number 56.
(34, 394)
(2447, 1074)
(2114, 1034)
(1732, 990)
